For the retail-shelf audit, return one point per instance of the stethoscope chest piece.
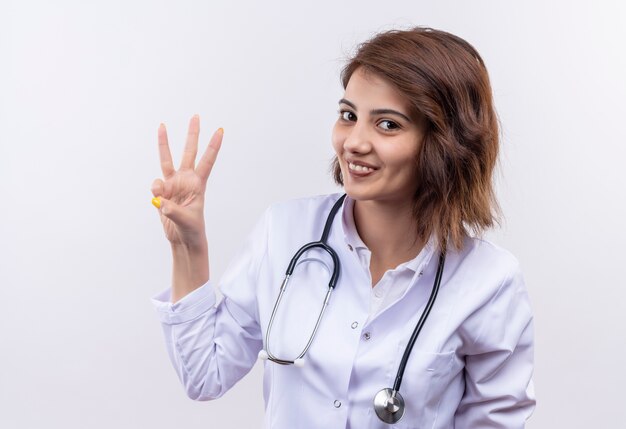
(389, 405)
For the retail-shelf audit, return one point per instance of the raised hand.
(179, 196)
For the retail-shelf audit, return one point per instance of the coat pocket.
(426, 378)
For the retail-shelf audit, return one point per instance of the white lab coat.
(471, 366)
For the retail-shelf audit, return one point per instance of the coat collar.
(353, 240)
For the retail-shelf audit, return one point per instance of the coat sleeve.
(210, 345)
(498, 369)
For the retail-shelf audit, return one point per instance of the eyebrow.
(377, 111)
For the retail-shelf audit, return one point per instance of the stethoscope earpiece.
(263, 355)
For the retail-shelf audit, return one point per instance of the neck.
(388, 229)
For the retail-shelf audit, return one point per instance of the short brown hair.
(445, 80)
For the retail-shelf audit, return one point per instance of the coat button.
(354, 325)
(367, 336)
(337, 404)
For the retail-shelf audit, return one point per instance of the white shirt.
(471, 366)
(393, 282)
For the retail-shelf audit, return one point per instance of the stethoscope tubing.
(322, 244)
(388, 403)
(420, 323)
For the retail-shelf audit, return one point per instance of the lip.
(360, 173)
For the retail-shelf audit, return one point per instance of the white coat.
(471, 366)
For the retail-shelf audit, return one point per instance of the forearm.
(208, 348)
(190, 268)
(193, 322)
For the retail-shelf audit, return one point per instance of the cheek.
(403, 163)
(338, 138)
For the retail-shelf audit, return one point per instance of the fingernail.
(220, 130)
(156, 202)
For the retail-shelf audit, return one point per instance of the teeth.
(359, 168)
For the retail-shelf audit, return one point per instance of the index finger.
(167, 166)
(205, 165)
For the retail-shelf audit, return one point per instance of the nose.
(358, 139)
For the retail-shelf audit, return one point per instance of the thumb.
(171, 210)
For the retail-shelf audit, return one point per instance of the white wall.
(83, 87)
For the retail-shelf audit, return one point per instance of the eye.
(391, 126)
(346, 115)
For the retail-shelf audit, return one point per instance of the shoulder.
(494, 305)
(488, 257)
(483, 272)
(301, 209)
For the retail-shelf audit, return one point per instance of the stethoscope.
(388, 403)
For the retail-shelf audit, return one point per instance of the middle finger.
(191, 146)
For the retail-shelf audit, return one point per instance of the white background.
(84, 86)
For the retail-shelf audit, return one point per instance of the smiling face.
(376, 140)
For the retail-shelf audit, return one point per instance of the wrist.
(190, 268)
(198, 248)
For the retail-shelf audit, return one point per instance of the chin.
(357, 193)
(362, 193)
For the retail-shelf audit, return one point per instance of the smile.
(360, 168)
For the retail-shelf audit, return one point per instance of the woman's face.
(377, 140)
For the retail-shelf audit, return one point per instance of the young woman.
(427, 325)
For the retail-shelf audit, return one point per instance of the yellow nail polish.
(156, 202)
(221, 130)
